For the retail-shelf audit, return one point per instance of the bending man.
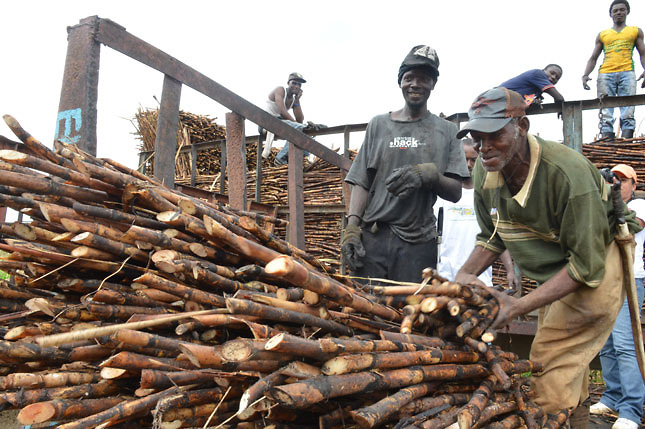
(549, 206)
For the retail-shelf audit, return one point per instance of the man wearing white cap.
(549, 206)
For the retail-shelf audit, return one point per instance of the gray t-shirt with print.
(391, 144)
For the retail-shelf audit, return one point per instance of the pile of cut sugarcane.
(191, 129)
(133, 305)
(606, 154)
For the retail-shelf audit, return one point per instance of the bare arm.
(448, 188)
(297, 108)
(640, 47)
(557, 97)
(357, 204)
(591, 63)
(553, 289)
(513, 280)
(278, 99)
(479, 259)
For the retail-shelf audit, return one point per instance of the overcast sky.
(349, 51)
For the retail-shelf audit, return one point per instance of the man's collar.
(495, 179)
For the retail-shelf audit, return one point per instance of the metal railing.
(77, 113)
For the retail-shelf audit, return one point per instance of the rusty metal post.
(3, 214)
(258, 171)
(142, 162)
(296, 198)
(343, 173)
(236, 160)
(76, 120)
(346, 193)
(166, 139)
(572, 124)
(222, 167)
(193, 165)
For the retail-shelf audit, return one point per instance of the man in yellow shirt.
(616, 75)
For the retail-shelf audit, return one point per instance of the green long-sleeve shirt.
(562, 216)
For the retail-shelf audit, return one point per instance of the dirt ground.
(601, 422)
(8, 420)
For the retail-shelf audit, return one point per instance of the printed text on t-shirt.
(405, 142)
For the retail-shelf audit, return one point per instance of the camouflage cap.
(492, 110)
(297, 77)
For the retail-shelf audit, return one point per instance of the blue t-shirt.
(530, 84)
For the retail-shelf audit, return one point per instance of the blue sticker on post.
(67, 116)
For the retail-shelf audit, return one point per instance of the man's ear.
(524, 125)
(434, 82)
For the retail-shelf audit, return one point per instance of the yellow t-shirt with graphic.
(618, 47)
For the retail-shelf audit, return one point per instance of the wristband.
(296, 105)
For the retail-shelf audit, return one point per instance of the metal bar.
(120, 40)
(317, 209)
(336, 129)
(222, 167)
(346, 188)
(211, 144)
(166, 138)
(216, 197)
(193, 165)
(143, 156)
(346, 132)
(236, 161)
(76, 120)
(572, 125)
(295, 190)
(458, 118)
(590, 104)
(346, 194)
(258, 171)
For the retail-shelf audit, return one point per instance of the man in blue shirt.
(531, 84)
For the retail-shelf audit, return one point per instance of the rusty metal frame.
(76, 120)
(77, 109)
(571, 114)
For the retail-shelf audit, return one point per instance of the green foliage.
(595, 377)
(3, 275)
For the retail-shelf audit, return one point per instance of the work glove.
(403, 181)
(352, 250)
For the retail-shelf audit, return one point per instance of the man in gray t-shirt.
(408, 158)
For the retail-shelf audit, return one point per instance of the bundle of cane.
(134, 304)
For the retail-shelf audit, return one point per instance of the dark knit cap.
(421, 56)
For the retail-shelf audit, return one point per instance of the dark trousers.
(389, 257)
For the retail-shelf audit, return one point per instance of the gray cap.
(421, 56)
(492, 110)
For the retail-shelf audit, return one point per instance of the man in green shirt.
(550, 207)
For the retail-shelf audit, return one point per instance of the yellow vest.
(618, 49)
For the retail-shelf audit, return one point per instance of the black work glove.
(352, 250)
(403, 181)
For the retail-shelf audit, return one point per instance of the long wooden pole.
(86, 334)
